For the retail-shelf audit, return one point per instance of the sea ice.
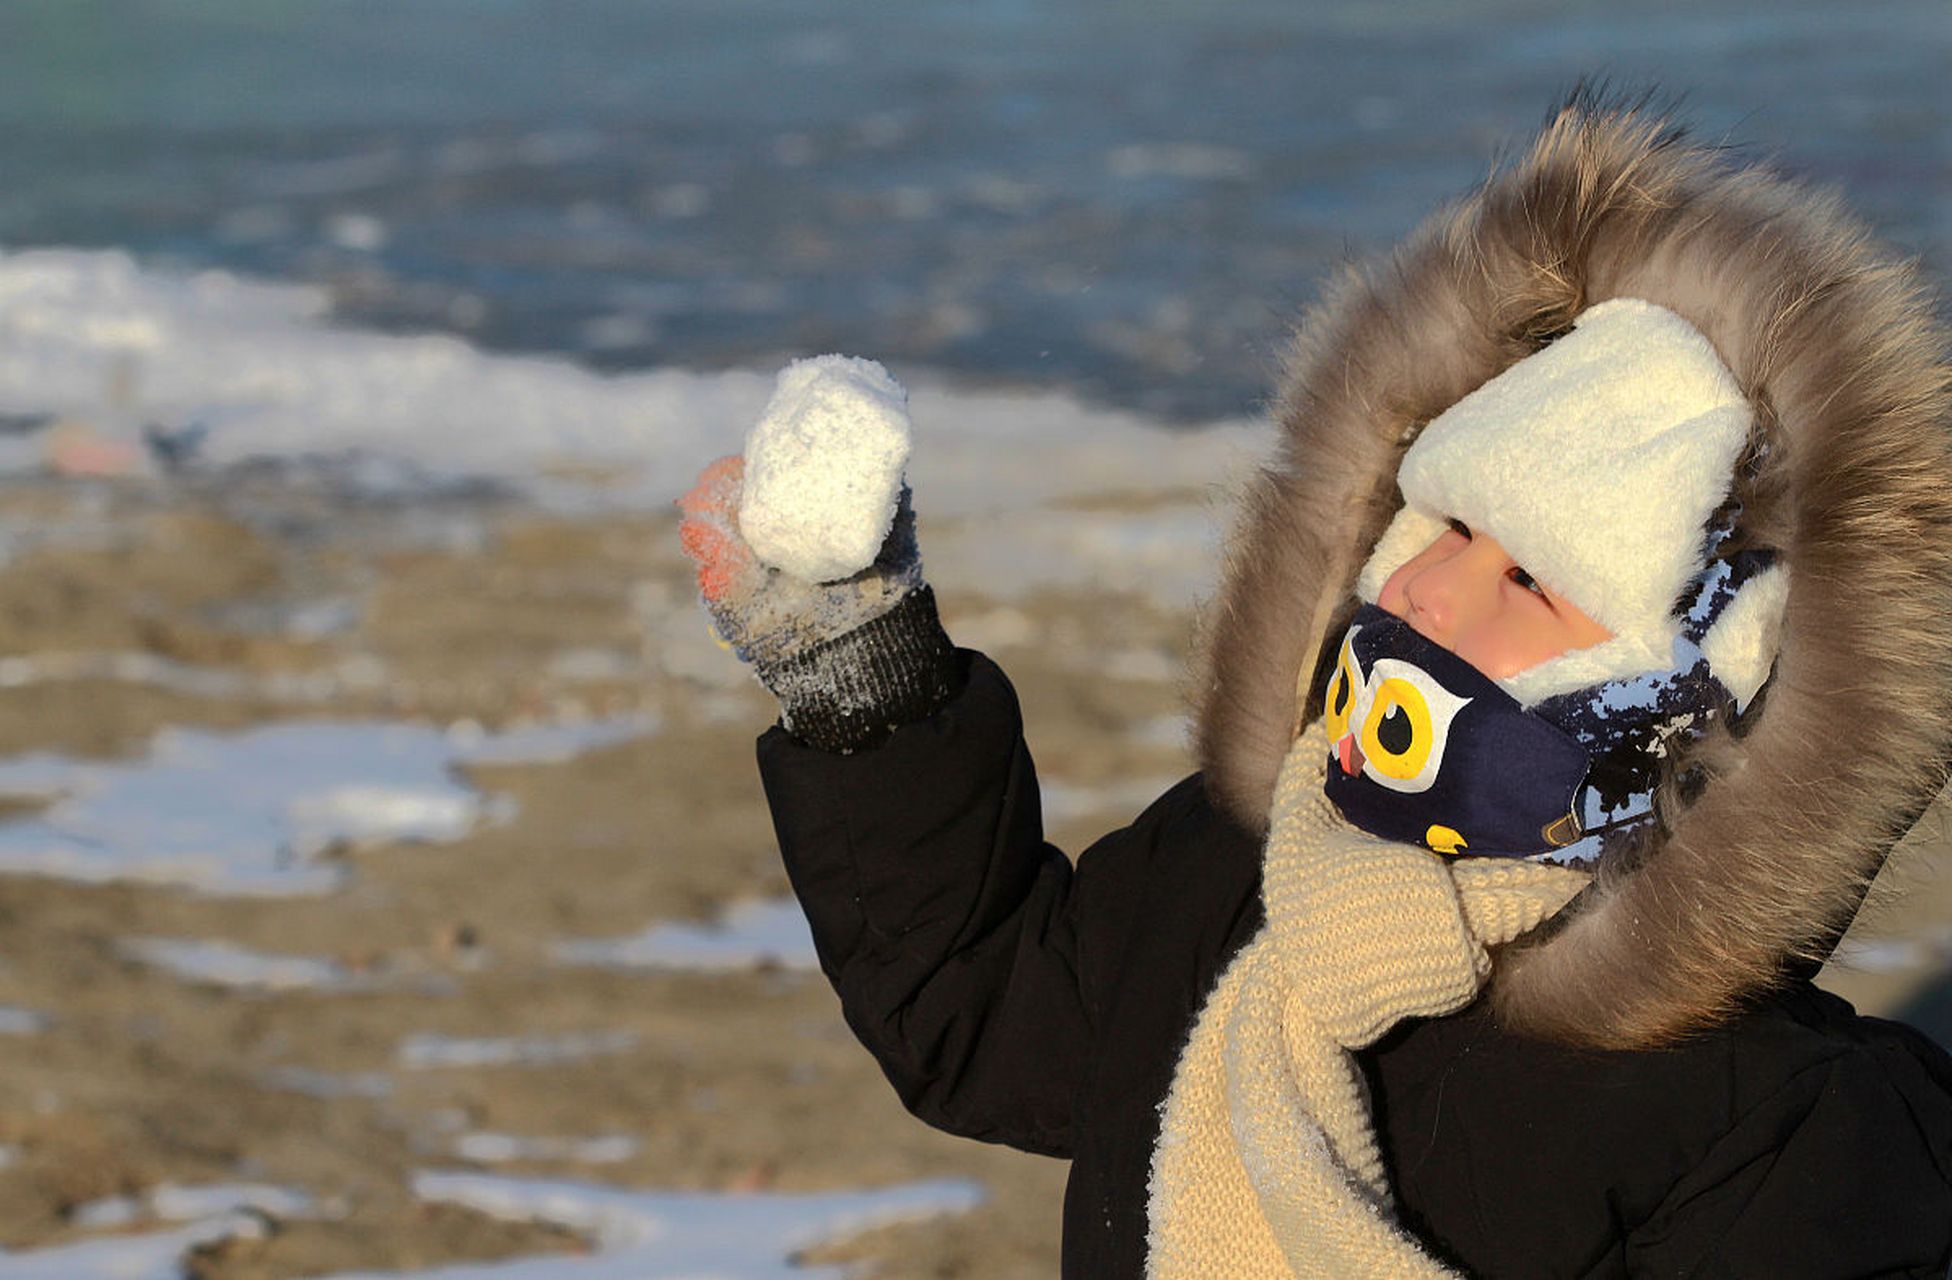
(824, 466)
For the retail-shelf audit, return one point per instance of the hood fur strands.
(1772, 829)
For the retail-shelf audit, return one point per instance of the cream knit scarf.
(1267, 1163)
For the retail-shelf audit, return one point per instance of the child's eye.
(1525, 580)
(1459, 528)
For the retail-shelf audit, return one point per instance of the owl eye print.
(1391, 723)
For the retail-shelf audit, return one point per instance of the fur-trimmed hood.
(1834, 345)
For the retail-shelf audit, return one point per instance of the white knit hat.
(1597, 463)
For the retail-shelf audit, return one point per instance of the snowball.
(823, 468)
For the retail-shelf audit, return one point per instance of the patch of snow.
(747, 935)
(224, 964)
(256, 370)
(1918, 953)
(212, 1213)
(153, 1256)
(548, 743)
(107, 1213)
(650, 1235)
(1150, 666)
(251, 812)
(1171, 731)
(426, 1050)
(15, 1021)
(326, 1084)
(499, 1148)
(172, 1202)
(1003, 627)
(592, 665)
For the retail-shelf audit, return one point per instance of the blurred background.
(384, 882)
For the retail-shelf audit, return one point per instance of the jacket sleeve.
(1844, 1172)
(947, 924)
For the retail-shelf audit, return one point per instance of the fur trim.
(1834, 345)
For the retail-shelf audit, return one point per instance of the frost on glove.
(848, 660)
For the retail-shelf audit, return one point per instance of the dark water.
(1123, 197)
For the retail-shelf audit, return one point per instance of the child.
(1576, 663)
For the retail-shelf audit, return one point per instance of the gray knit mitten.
(848, 660)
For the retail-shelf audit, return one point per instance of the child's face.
(1464, 593)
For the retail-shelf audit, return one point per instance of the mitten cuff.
(852, 690)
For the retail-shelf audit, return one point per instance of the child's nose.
(1445, 595)
(1431, 604)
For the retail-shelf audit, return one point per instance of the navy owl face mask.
(1426, 749)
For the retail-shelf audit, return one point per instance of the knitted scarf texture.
(1267, 1164)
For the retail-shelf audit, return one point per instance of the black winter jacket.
(1012, 998)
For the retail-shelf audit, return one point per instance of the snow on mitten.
(848, 660)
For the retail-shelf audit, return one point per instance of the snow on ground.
(428, 1051)
(632, 1234)
(545, 743)
(212, 1213)
(652, 1235)
(15, 1021)
(1929, 951)
(359, 672)
(326, 1084)
(251, 812)
(748, 935)
(154, 1255)
(224, 964)
(256, 370)
(500, 1148)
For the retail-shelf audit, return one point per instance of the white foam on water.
(748, 935)
(251, 812)
(654, 1235)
